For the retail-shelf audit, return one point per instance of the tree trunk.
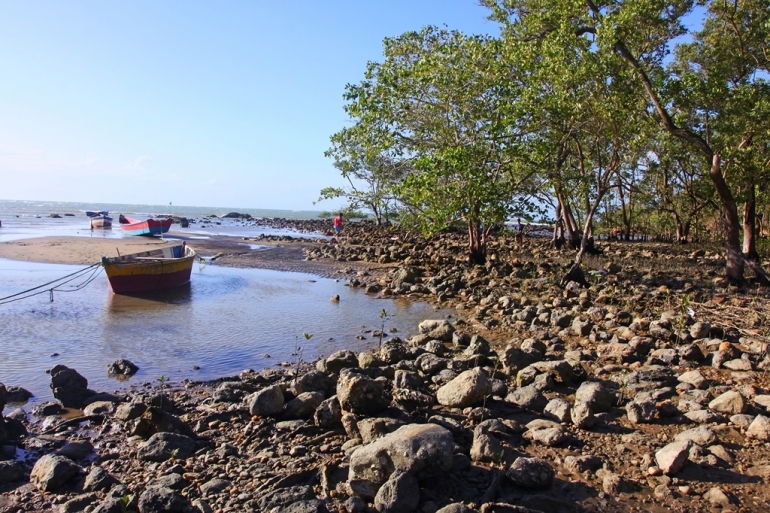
(735, 260)
(477, 244)
(681, 238)
(750, 225)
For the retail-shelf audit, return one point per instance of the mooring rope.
(54, 285)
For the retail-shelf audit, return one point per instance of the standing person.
(519, 231)
(338, 224)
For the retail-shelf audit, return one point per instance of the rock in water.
(122, 367)
(421, 449)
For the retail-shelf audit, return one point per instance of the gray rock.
(99, 480)
(99, 407)
(340, 360)
(582, 415)
(399, 494)
(717, 497)
(581, 327)
(580, 464)
(457, 507)
(52, 471)
(641, 412)
(11, 471)
(485, 447)
(701, 435)
(407, 379)
(700, 330)
(439, 329)
(306, 506)
(164, 500)
(694, 378)
(738, 364)
(467, 389)
(122, 367)
(759, 429)
(373, 428)
(283, 497)
(514, 359)
(358, 393)
(268, 402)
(704, 416)
(548, 436)
(214, 486)
(741, 420)
(593, 394)
(430, 364)
(77, 450)
(303, 406)
(528, 397)
(422, 449)
(162, 446)
(80, 502)
(17, 395)
(435, 347)
(392, 352)
(531, 473)
(561, 370)
(558, 409)
(673, 456)
(313, 381)
(130, 411)
(328, 414)
(729, 403)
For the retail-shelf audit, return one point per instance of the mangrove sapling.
(383, 316)
(298, 352)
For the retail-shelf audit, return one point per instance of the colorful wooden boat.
(100, 221)
(147, 227)
(91, 213)
(149, 271)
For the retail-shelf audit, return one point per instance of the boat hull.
(150, 271)
(148, 227)
(100, 221)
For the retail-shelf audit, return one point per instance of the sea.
(23, 219)
(227, 320)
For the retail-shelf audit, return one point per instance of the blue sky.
(199, 103)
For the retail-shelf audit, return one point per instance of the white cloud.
(140, 164)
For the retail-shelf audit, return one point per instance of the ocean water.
(25, 219)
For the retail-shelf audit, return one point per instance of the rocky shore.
(646, 391)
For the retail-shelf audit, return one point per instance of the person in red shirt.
(338, 223)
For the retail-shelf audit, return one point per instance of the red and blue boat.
(147, 227)
(150, 271)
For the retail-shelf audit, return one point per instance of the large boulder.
(359, 393)
(52, 471)
(69, 387)
(303, 406)
(421, 449)
(267, 402)
(467, 389)
(340, 360)
(437, 329)
(156, 499)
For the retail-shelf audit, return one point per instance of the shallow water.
(225, 321)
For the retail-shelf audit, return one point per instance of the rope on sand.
(55, 285)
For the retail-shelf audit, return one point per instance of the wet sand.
(229, 251)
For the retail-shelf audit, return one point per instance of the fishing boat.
(100, 221)
(91, 213)
(150, 271)
(147, 227)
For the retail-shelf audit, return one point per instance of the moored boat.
(147, 227)
(100, 221)
(149, 271)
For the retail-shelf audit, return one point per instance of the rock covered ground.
(647, 391)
